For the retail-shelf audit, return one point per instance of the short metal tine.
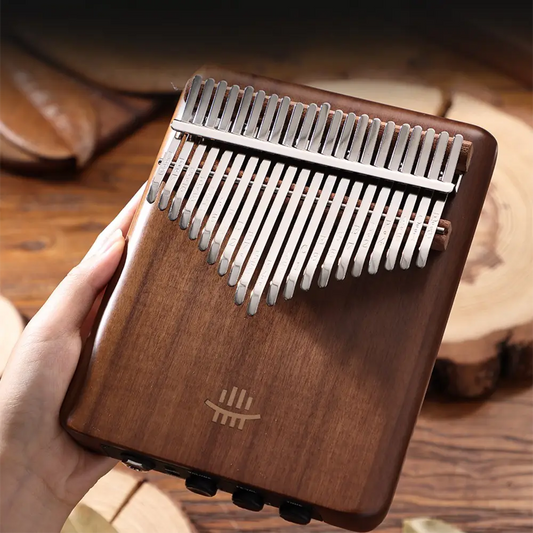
(253, 229)
(305, 130)
(162, 167)
(244, 217)
(320, 125)
(438, 208)
(268, 116)
(295, 234)
(190, 173)
(175, 174)
(209, 194)
(294, 122)
(333, 132)
(344, 138)
(405, 218)
(263, 236)
(227, 114)
(221, 201)
(425, 201)
(190, 102)
(307, 241)
(243, 110)
(359, 135)
(257, 107)
(220, 93)
(283, 109)
(324, 234)
(198, 188)
(232, 209)
(201, 110)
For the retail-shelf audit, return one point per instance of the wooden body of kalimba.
(310, 403)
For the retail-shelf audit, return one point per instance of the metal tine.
(294, 122)
(198, 187)
(221, 200)
(257, 107)
(201, 110)
(364, 208)
(384, 193)
(277, 243)
(175, 174)
(320, 125)
(305, 245)
(268, 116)
(243, 218)
(184, 115)
(402, 224)
(332, 134)
(438, 208)
(394, 205)
(231, 101)
(283, 109)
(253, 229)
(423, 206)
(247, 208)
(295, 234)
(243, 110)
(218, 99)
(279, 237)
(230, 179)
(209, 194)
(359, 135)
(324, 234)
(196, 160)
(305, 130)
(232, 209)
(349, 208)
(264, 235)
(199, 118)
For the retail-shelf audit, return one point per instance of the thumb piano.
(285, 286)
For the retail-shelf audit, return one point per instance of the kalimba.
(286, 283)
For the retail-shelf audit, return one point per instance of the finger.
(64, 312)
(122, 221)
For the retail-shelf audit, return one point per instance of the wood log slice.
(11, 326)
(490, 330)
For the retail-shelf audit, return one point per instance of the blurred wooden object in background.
(11, 326)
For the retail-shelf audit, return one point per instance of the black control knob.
(293, 512)
(248, 499)
(136, 462)
(201, 485)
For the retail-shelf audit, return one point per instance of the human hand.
(43, 472)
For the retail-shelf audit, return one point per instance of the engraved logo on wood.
(221, 414)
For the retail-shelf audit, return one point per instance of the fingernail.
(112, 239)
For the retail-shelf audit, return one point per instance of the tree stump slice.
(396, 93)
(11, 326)
(490, 331)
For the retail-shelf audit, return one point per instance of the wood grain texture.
(302, 361)
(111, 493)
(151, 511)
(488, 307)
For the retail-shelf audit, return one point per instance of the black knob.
(201, 485)
(136, 462)
(248, 499)
(293, 512)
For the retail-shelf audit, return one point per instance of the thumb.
(64, 312)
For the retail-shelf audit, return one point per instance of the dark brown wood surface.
(469, 463)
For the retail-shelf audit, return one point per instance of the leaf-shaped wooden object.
(60, 100)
